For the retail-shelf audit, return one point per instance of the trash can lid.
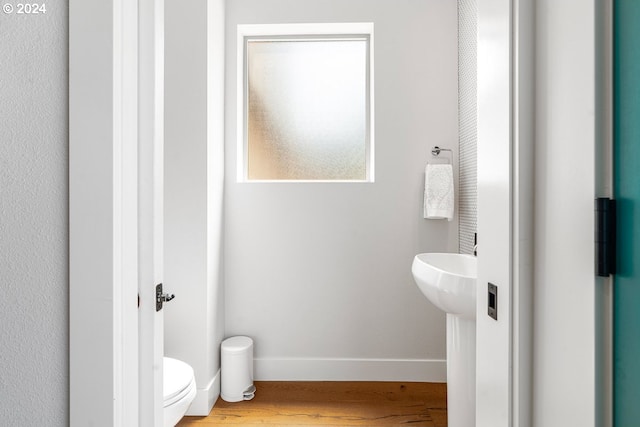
(236, 344)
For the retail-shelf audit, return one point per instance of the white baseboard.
(205, 398)
(306, 369)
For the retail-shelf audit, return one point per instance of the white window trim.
(315, 29)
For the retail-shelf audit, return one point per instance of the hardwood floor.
(333, 404)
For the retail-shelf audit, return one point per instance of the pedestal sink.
(449, 282)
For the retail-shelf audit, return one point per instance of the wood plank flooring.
(313, 403)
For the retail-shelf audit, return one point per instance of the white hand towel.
(438, 191)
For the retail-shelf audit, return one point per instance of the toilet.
(179, 390)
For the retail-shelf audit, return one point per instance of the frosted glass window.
(307, 109)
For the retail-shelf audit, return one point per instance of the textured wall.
(33, 211)
(322, 272)
(467, 119)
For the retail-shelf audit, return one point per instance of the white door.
(150, 203)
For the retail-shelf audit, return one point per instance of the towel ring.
(435, 152)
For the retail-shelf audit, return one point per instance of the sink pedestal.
(449, 282)
(461, 371)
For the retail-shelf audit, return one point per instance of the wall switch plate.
(493, 301)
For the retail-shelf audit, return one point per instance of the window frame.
(300, 31)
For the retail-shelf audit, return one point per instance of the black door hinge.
(605, 236)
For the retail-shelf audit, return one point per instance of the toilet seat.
(177, 378)
(178, 390)
(179, 395)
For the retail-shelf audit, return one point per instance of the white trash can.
(237, 369)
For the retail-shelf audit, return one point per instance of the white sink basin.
(448, 281)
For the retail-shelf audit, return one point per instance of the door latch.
(161, 298)
(493, 301)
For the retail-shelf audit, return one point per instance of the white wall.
(194, 321)
(320, 274)
(567, 295)
(33, 207)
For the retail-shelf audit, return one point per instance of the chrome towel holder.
(435, 152)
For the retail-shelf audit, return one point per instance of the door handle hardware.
(161, 297)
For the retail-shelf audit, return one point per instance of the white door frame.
(106, 96)
(507, 74)
(103, 184)
(104, 169)
(505, 205)
(105, 92)
(103, 213)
